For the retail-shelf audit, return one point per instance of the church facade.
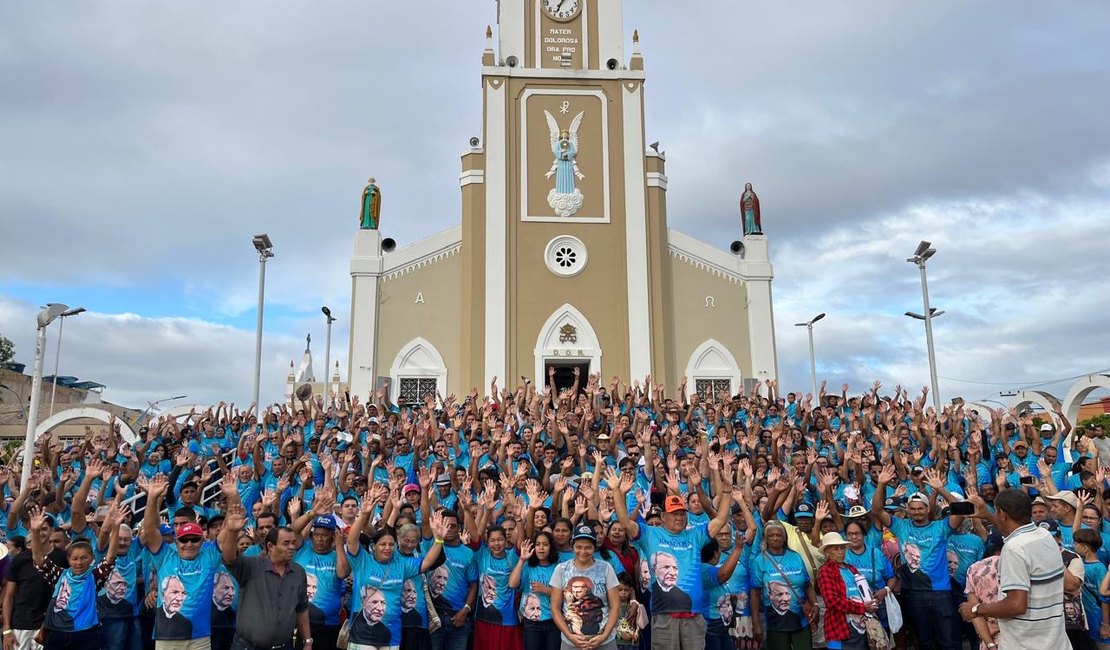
(563, 258)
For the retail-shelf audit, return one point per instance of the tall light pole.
(46, 316)
(812, 357)
(327, 351)
(924, 251)
(265, 249)
(58, 350)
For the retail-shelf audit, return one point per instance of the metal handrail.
(208, 493)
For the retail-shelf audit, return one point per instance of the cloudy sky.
(143, 143)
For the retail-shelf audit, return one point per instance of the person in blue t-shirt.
(673, 552)
(924, 546)
(379, 577)
(186, 570)
(781, 587)
(532, 578)
(71, 616)
(326, 568)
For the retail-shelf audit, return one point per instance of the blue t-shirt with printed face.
(782, 581)
(856, 624)
(964, 549)
(73, 607)
(449, 582)
(377, 597)
(118, 598)
(534, 605)
(872, 564)
(719, 608)
(325, 588)
(185, 592)
(496, 601)
(674, 560)
(924, 553)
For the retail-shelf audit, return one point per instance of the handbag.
(344, 637)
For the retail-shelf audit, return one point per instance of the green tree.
(1102, 420)
(7, 349)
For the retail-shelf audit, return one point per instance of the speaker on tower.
(612, 64)
(737, 247)
(512, 61)
(388, 244)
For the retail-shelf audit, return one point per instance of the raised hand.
(526, 549)
(236, 518)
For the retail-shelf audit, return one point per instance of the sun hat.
(832, 539)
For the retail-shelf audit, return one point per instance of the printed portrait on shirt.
(781, 596)
(582, 607)
(666, 596)
(115, 588)
(438, 581)
(64, 591)
(911, 553)
(372, 628)
(489, 591)
(724, 609)
(408, 596)
(531, 608)
(173, 596)
(953, 563)
(645, 575)
(223, 591)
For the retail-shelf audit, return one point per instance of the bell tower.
(563, 206)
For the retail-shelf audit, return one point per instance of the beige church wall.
(472, 279)
(402, 318)
(663, 362)
(591, 158)
(727, 321)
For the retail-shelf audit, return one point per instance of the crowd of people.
(592, 516)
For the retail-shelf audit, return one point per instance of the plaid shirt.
(837, 603)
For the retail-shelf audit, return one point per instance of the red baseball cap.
(187, 529)
(674, 504)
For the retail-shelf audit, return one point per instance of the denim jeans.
(449, 637)
(122, 633)
(933, 617)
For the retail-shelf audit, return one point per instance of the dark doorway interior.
(564, 373)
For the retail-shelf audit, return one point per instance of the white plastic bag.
(893, 613)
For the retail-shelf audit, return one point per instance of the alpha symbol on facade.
(419, 298)
(710, 302)
(568, 334)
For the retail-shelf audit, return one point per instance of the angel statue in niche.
(565, 199)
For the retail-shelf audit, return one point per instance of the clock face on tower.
(562, 10)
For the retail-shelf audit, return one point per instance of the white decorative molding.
(565, 256)
(511, 31)
(417, 358)
(657, 179)
(604, 103)
(84, 412)
(472, 177)
(610, 32)
(719, 263)
(549, 348)
(563, 73)
(637, 275)
(712, 360)
(422, 253)
(495, 247)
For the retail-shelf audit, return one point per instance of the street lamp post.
(812, 357)
(265, 249)
(46, 316)
(924, 251)
(327, 351)
(58, 350)
(151, 405)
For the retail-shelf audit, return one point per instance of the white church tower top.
(561, 34)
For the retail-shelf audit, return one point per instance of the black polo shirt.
(268, 602)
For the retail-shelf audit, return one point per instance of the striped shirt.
(1031, 562)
